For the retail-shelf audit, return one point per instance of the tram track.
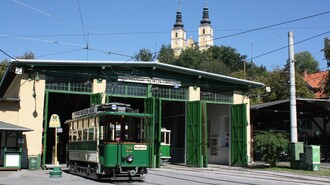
(264, 177)
(252, 173)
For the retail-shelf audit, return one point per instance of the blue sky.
(55, 29)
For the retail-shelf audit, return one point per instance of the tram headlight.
(129, 158)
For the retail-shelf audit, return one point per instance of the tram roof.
(125, 114)
(35, 63)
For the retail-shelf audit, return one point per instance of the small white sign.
(140, 147)
(18, 71)
(20, 141)
(59, 130)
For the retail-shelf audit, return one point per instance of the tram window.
(79, 135)
(118, 132)
(101, 133)
(79, 124)
(85, 135)
(163, 137)
(91, 122)
(108, 132)
(74, 125)
(95, 134)
(168, 137)
(91, 134)
(74, 135)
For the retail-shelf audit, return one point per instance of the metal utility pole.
(293, 108)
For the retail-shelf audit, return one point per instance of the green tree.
(27, 55)
(4, 65)
(229, 56)
(326, 50)
(143, 55)
(278, 81)
(305, 61)
(166, 55)
(211, 64)
(270, 145)
(190, 58)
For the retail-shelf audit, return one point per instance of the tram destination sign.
(148, 80)
(84, 112)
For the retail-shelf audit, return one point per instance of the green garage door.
(238, 135)
(153, 106)
(194, 134)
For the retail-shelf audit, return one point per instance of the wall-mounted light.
(36, 77)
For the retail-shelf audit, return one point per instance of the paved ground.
(171, 174)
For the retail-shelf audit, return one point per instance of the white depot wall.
(219, 130)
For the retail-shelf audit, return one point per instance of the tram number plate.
(140, 147)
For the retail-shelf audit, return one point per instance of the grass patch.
(321, 172)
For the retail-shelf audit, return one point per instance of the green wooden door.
(238, 135)
(153, 106)
(194, 134)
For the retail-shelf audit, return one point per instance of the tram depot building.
(207, 114)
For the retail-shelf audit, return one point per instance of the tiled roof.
(317, 82)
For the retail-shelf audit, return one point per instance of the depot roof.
(171, 69)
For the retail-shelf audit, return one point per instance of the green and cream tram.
(109, 141)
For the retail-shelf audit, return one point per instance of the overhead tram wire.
(41, 40)
(66, 43)
(38, 10)
(83, 28)
(52, 54)
(8, 55)
(110, 52)
(272, 25)
(11, 69)
(82, 22)
(284, 47)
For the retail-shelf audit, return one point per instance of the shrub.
(270, 145)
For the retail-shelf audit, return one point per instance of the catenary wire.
(278, 49)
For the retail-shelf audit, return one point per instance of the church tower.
(178, 35)
(205, 31)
